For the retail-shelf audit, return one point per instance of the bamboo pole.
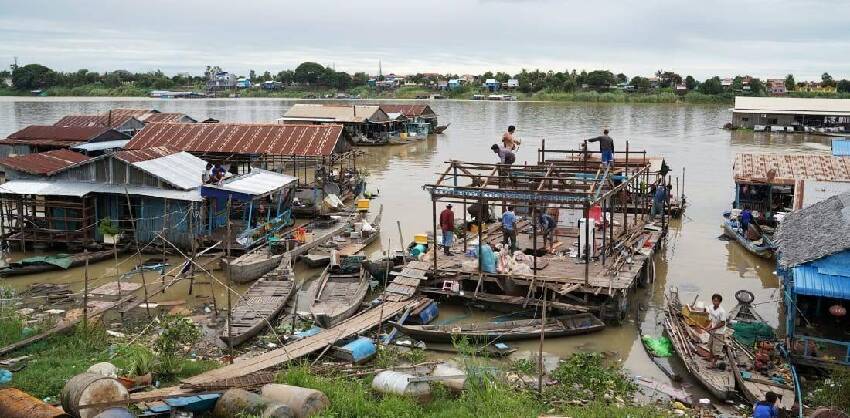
(229, 283)
(138, 252)
(542, 340)
(86, 291)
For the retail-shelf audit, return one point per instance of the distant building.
(221, 81)
(680, 89)
(454, 84)
(243, 83)
(469, 78)
(776, 86)
(802, 114)
(271, 85)
(442, 85)
(35, 139)
(727, 83)
(492, 85)
(512, 84)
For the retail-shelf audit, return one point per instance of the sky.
(767, 39)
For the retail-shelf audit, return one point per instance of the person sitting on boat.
(508, 140)
(447, 225)
(547, 225)
(659, 197)
(717, 327)
(606, 147)
(766, 408)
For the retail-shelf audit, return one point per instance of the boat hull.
(338, 298)
(761, 251)
(252, 266)
(261, 304)
(507, 331)
(79, 260)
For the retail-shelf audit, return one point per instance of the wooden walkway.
(354, 325)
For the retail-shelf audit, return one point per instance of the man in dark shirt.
(606, 147)
(447, 225)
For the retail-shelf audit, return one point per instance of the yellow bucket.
(404, 135)
(363, 204)
(421, 239)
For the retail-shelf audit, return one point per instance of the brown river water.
(688, 136)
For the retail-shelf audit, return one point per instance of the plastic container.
(417, 250)
(302, 401)
(391, 382)
(363, 204)
(115, 412)
(446, 369)
(421, 239)
(91, 388)
(238, 402)
(361, 349)
(488, 259)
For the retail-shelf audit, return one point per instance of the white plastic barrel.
(391, 382)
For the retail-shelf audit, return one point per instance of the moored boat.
(260, 304)
(762, 248)
(34, 265)
(691, 345)
(559, 326)
(441, 128)
(346, 242)
(757, 363)
(339, 295)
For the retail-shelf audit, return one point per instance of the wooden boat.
(259, 261)
(345, 243)
(764, 249)
(441, 128)
(380, 268)
(260, 304)
(690, 344)
(752, 383)
(524, 329)
(19, 268)
(339, 296)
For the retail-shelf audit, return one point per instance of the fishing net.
(748, 333)
(349, 264)
(658, 347)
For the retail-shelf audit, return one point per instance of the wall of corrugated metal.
(153, 217)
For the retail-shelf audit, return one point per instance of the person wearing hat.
(447, 225)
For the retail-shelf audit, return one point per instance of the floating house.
(421, 119)
(362, 123)
(771, 183)
(128, 124)
(814, 263)
(60, 197)
(790, 112)
(319, 156)
(38, 138)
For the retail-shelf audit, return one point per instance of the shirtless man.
(508, 140)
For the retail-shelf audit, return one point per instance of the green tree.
(757, 88)
(790, 84)
(33, 76)
(600, 79)
(502, 77)
(360, 79)
(667, 78)
(712, 86)
(691, 83)
(640, 84)
(843, 86)
(286, 76)
(308, 72)
(827, 80)
(621, 78)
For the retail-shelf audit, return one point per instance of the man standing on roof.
(606, 147)
(447, 225)
(508, 140)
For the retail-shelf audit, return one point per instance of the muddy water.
(686, 135)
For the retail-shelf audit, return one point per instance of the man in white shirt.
(717, 328)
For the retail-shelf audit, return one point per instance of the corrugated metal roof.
(790, 105)
(827, 277)
(121, 113)
(45, 163)
(257, 182)
(181, 169)
(136, 155)
(409, 110)
(163, 117)
(58, 133)
(841, 147)
(267, 139)
(786, 168)
(80, 189)
(93, 120)
(335, 113)
(100, 146)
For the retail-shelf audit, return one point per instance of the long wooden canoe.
(752, 383)
(339, 296)
(260, 304)
(765, 250)
(690, 344)
(78, 259)
(343, 243)
(524, 329)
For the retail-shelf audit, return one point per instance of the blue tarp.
(841, 147)
(826, 277)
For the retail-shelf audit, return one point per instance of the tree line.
(37, 76)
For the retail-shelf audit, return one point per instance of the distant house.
(813, 255)
(442, 85)
(726, 83)
(512, 84)
(680, 89)
(243, 83)
(36, 138)
(418, 113)
(469, 78)
(492, 85)
(454, 84)
(776, 86)
(221, 81)
(128, 121)
(359, 121)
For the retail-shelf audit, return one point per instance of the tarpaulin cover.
(59, 260)
(748, 333)
(658, 347)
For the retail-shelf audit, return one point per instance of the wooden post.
(192, 247)
(587, 244)
(228, 290)
(480, 234)
(603, 211)
(542, 340)
(164, 236)
(534, 240)
(465, 229)
(86, 291)
(138, 252)
(683, 183)
(436, 248)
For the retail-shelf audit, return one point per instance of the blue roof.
(826, 277)
(841, 147)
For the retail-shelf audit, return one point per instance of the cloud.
(460, 36)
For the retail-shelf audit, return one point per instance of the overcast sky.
(705, 38)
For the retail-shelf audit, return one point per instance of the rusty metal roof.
(335, 113)
(787, 168)
(168, 117)
(120, 113)
(236, 138)
(58, 133)
(92, 120)
(44, 163)
(409, 110)
(137, 155)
